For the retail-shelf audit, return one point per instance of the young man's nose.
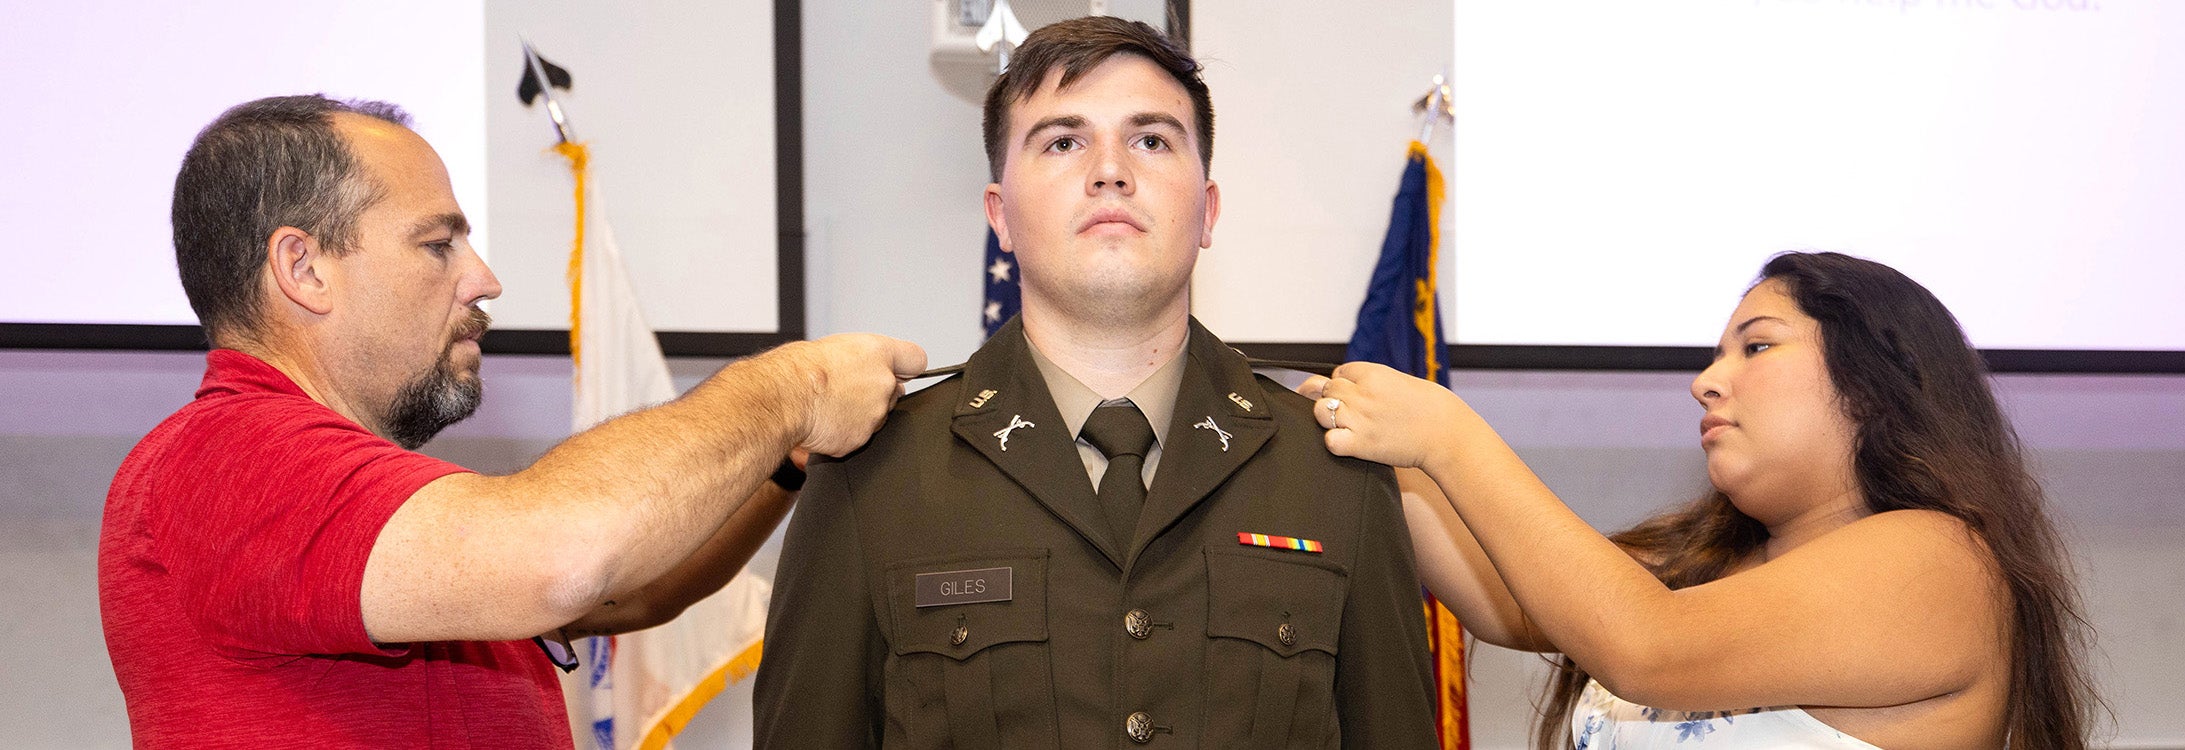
(1111, 171)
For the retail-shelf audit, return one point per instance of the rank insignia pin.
(1208, 424)
(1250, 539)
(1015, 421)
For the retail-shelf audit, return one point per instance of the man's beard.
(438, 397)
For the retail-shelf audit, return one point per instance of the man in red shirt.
(277, 567)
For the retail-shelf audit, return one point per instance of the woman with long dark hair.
(1873, 568)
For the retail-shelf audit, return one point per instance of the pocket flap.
(1286, 605)
(970, 602)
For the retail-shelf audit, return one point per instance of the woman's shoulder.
(1921, 555)
(1919, 528)
(1922, 542)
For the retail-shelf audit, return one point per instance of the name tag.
(964, 587)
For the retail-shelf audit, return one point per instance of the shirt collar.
(1155, 396)
(231, 371)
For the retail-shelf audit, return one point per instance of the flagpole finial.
(1436, 106)
(1001, 32)
(540, 78)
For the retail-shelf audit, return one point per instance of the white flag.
(637, 690)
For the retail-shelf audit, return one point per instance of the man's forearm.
(718, 561)
(645, 491)
(614, 508)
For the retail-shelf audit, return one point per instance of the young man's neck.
(1109, 359)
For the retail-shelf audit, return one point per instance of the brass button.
(1286, 634)
(1140, 727)
(1138, 624)
(964, 633)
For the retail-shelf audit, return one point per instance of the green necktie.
(1120, 432)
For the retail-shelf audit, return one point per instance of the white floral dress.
(1603, 721)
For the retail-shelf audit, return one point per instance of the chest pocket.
(1273, 622)
(965, 673)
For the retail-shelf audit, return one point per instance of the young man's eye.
(442, 248)
(1152, 142)
(1063, 145)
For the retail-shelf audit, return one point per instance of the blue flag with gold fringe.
(1400, 326)
(1400, 323)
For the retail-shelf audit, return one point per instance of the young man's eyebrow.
(1143, 119)
(1057, 121)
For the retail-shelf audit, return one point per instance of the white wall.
(1312, 117)
(676, 100)
(894, 169)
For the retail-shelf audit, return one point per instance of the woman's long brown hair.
(1930, 436)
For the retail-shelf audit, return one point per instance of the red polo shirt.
(231, 565)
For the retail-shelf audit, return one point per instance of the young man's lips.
(1111, 219)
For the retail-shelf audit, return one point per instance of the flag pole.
(1435, 104)
(537, 70)
(579, 165)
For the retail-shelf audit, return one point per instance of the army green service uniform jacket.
(952, 584)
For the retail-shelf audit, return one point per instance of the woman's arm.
(1453, 566)
(1887, 610)
(1450, 562)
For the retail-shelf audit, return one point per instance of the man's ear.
(994, 218)
(298, 265)
(1213, 211)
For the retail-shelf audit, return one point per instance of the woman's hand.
(1375, 413)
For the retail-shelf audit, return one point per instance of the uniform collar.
(999, 367)
(1155, 396)
(1220, 419)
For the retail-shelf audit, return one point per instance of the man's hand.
(854, 379)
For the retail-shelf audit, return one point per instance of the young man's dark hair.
(1079, 45)
(261, 166)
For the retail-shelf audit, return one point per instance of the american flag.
(1002, 293)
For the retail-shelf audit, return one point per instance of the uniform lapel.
(1219, 399)
(1002, 387)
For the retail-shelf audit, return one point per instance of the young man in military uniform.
(1106, 532)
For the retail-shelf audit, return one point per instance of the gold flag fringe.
(580, 159)
(1445, 637)
(671, 721)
